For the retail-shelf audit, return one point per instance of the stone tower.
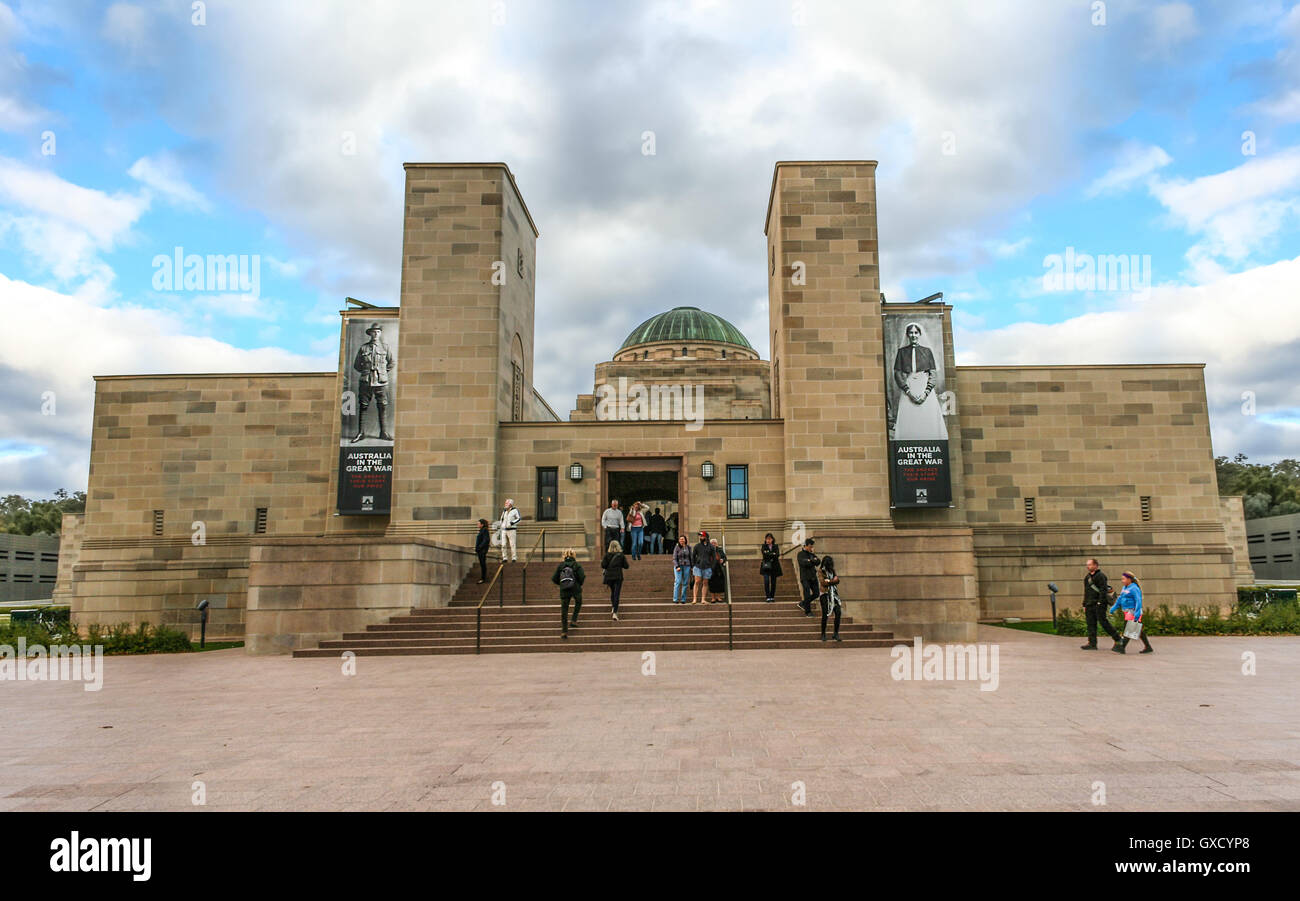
(824, 313)
(466, 357)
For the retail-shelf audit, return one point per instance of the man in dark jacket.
(569, 576)
(657, 529)
(1096, 598)
(808, 563)
(483, 544)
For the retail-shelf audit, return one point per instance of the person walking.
(482, 544)
(569, 576)
(506, 527)
(808, 564)
(658, 530)
(770, 566)
(830, 595)
(636, 525)
(613, 564)
(673, 531)
(702, 561)
(612, 522)
(718, 578)
(681, 570)
(1096, 595)
(1130, 601)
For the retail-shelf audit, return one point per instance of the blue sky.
(1006, 132)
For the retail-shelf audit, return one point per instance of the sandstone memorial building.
(304, 505)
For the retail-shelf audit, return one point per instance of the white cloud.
(1243, 327)
(77, 336)
(162, 173)
(1234, 212)
(1135, 162)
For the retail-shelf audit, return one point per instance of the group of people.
(699, 577)
(640, 530)
(1097, 593)
(699, 574)
(507, 530)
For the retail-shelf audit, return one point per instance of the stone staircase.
(648, 620)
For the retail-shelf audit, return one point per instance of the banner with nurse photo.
(919, 473)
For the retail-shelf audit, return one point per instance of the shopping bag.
(1133, 629)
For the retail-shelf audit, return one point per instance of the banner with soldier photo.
(366, 437)
(914, 387)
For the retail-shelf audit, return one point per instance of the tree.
(1269, 489)
(25, 516)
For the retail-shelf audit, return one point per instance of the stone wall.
(72, 529)
(206, 450)
(462, 225)
(1087, 443)
(733, 389)
(305, 590)
(827, 339)
(527, 446)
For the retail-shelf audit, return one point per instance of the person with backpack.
(681, 570)
(482, 544)
(613, 564)
(808, 564)
(770, 566)
(702, 562)
(830, 595)
(1097, 593)
(1130, 601)
(569, 576)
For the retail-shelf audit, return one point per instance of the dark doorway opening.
(656, 483)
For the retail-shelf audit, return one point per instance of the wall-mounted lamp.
(706, 470)
(575, 471)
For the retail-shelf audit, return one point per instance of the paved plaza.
(1181, 729)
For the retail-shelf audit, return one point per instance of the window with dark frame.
(737, 491)
(548, 480)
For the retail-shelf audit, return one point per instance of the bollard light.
(203, 622)
(1051, 586)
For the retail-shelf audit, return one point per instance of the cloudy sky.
(1011, 137)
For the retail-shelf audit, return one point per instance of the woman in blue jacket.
(1130, 601)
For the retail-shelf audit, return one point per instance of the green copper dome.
(685, 324)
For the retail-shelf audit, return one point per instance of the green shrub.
(1273, 618)
(119, 639)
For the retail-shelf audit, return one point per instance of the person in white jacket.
(506, 530)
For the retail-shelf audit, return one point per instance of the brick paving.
(1181, 729)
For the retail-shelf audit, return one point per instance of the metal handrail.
(500, 583)
(541, 539)
(726, 573)
(478, 611)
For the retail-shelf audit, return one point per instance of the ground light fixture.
(203, 622)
